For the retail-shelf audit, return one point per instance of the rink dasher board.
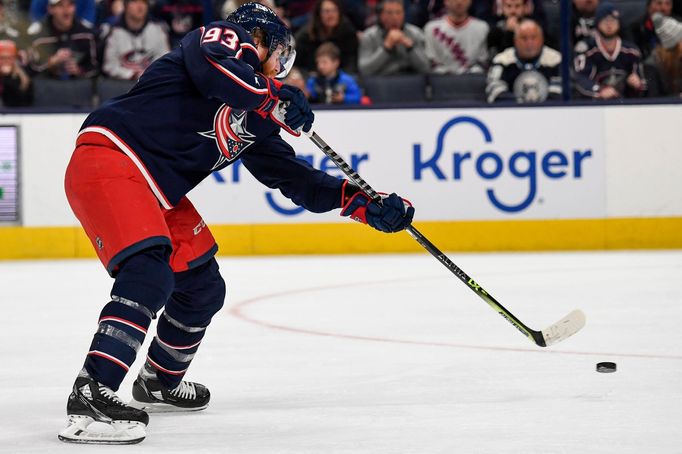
(481, 179)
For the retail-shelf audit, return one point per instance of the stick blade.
(564, 328)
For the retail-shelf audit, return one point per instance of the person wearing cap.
(134, 42)
(610, 68)
(62, 45)
(15, 85)
(667, 56)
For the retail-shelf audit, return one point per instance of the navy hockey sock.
(199, 294)
(142, 287)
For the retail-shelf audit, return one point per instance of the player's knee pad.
(146, 278)
(199, 294)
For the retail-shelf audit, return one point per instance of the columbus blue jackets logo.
(230, 134)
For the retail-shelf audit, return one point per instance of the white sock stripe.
(120, 335)
(125, 322)
(163, 369)
(110, 358)
(176, 355)
(177, 324)
(135, 305)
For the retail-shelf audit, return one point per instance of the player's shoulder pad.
(506, 57)
(242, 34)
(550, 57)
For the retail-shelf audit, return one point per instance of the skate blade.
(159, 407)
(84, 429)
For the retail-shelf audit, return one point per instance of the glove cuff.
(270, 102)
(354, 202)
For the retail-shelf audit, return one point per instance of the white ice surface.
(378, 354)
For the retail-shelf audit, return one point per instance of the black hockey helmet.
(256, 16)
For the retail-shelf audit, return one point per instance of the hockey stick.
(557, 332)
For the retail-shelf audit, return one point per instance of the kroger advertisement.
(485, 164)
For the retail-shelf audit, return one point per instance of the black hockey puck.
(606, 367)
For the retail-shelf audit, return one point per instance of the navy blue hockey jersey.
(597, 68)
(191, 113)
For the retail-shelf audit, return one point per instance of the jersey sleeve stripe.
(252, 89)
(136, 160)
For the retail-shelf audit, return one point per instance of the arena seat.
(395, 89)
(110, 88)
(464, 87)
(75, 93)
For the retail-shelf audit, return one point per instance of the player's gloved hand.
(392, 214)
(298, 113)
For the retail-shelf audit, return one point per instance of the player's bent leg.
(199, 294)
(143, 284)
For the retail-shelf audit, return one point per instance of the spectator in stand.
(492, 11)
(108, 12)
(62, 46)
(7, 30)
(15, 85)
(610, 68)
(331, 85)
(528, 72)
(85, 10)
(327, 24)
(667, 56)
(501, 35)
(134, 42)
(423, 11)
(182, 16)
(456, 43)
(642, 31)
(582, 23)
(392, 46)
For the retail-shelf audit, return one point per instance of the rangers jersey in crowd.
(456, 48)
(597, 68)
(192, 112)
(513, 79)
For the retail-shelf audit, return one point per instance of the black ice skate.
(151, 395)
(92, 402)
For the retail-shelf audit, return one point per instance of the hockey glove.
(390, 214)
(297, 111)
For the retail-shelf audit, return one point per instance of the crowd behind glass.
(509, 46)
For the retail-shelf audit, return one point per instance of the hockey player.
(209, 102)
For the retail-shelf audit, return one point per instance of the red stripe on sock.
(110, 358)
(163, 369)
